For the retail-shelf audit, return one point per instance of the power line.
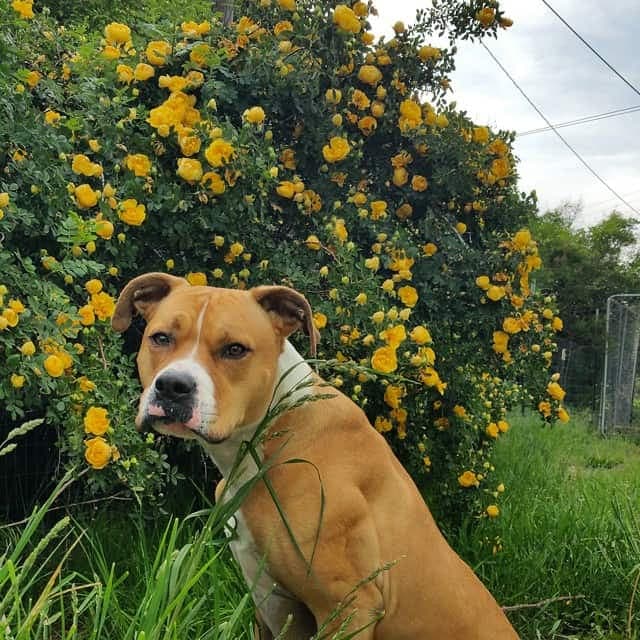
(575, 153)
(575, 33)
(583, 120)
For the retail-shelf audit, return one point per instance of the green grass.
(569, 527)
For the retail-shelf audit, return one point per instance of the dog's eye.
(234, 351)
(161, 339)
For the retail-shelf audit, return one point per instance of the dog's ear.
(141, 295)
(290, 310)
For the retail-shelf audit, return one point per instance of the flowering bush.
(290, 147)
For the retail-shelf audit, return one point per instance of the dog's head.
(209, 357)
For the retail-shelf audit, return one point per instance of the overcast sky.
(567, 82)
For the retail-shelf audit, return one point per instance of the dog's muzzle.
(173, 397)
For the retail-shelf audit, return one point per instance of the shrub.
(289, 147)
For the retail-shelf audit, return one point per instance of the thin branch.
(542, 603)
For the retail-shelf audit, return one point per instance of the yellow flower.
(511, 325)
(384, 360)
(104, 229)
(340, 230)
(333, 96)
(393, 395)
(483, 282)
(219, 152)
(103, 305)
(117, 33)
(87, 315)
(16, 305)
(143, 71)
(544, 408)
(461, 227)
(346, 19)
(419, 183)
(481, 134)
(495, 293)
(408, 296)
(427, 53)
(410, 115)
(468, 479)
(431, 378)
(382, 424)
(125, 73)
(196, 279)
(214, 183)
(17, 381)
(430, 249)
(337, 149)
(189, 169)
(86, 197)
(369, 74)
(562, 414)
(24, 8)
(110, 52)
(492, 430)
(312, 242)
(503, 426)
(493, 511)
(367, 125)
(83, 166)
(372, 263)
(96, 421)
(93, 286)
(236, 249)
(289, 5)
(98, 453)
(54, 366)
(459, 411)
(28, 348)
(157, 52)
(4, 199)
(522, 239)
(286, 189)
(556, 391)
(420, 335)
(360, 100)
(132, 213)
(254, 115)
(139, 163)
(486, 16)
(11, 317)
(394, 336)
(173, 83)
(319, 320)
(557, 324)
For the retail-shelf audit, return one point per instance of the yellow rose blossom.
(286, 189)
(337, 149)
(372, 263)
(157, 52)
(4, 200)
(382, 424)
(420, 335)
(125, 73)
(104, 229)
(110, 52)
(196, 279)
(431, 378)
(319, 320)
(556, 391)
(408, 296)
(511, 325)
(346, 19)
(103, 305)
(419, 183)
(93, 286)
(557, 324)
(236, 249)
(214, 183)
(189, 169)
(24, 8)
(17, 306)
(254, 115)
(495, 293)
(367, 125)
(486, 16)
(96, 421)
(384, 360)
(85, 196)
(54, 366)
(333, 96)
(493, 511)
(117, 33)
(394, 336)
(132, 213)
(289, 5)
(461, 227)
(139, 163)
(143, 71)
(219, 152)
(17, 381)
(360, 100)
(483, 282)
(428, 53)
(378, 209)
(87, 315)
(312, 242)
(562, 414)
(468, 479)
(28, 348)
(97, 453)
(429, 249)
(410, 115)
(492, 430)
(393, 395)
(459, 411)
(11, 317)
(503, 426)
(340, 230)
(369, 74)
(400, 177)
(361, 299)
(83, 166)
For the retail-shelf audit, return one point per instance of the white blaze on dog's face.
(208, 357)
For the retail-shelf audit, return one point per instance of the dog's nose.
(175, 386)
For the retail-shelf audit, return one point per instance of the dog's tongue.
(156, 411)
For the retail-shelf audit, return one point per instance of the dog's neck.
(291, 375)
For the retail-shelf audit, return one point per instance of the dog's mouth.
(178, 421)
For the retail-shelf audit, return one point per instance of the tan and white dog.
(209, 362)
